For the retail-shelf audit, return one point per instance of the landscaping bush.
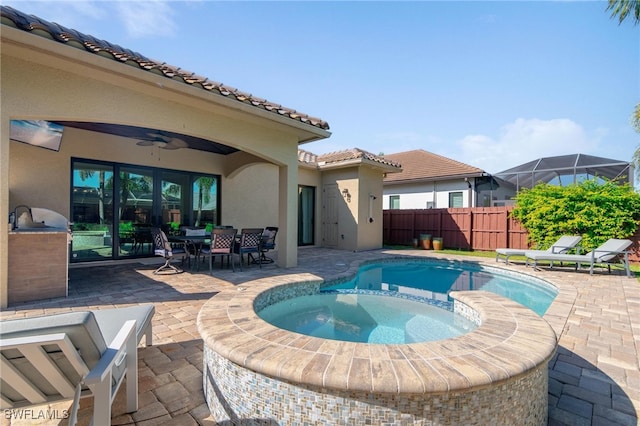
(595, 210)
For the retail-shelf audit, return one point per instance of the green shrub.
(596, 211)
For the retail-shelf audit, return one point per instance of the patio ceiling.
(152, 135)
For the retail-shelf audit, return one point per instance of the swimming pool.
(434, 280)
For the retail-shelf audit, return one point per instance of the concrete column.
(288, 214)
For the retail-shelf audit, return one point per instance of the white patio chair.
(612, 250)
(72, 355)
(563, 245)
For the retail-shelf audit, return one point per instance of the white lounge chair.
(564, 244)
(612, 250)
(71, 355)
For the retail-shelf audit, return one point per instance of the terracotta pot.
(425, 241)
(437, 243)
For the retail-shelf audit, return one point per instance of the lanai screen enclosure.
(567, 169)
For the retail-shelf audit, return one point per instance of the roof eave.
(357, 162)
(53, 53)
(434, 178)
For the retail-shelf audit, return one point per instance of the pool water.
(367, 318)
(401, 302)
(434, 281)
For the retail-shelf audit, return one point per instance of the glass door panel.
(92, 211)
(135, 211)
(205, 201)
(174, 206)
(306, 211)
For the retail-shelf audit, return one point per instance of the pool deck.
(593, 379)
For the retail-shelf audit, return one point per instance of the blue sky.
(491, 84)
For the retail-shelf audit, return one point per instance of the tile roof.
(73, 38)
(356, 154)
(423, 165)
(307, 158)
(339, 158)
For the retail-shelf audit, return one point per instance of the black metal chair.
(267, 243)
(249, 244)
(222, 242)
(163, 248)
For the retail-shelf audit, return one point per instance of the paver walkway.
(593, 380)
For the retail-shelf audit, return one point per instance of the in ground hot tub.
(254, 371)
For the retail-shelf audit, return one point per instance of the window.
(455, 199)
(394, 201)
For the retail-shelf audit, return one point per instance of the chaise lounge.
(563, 245)
(612, 250)
(72, 355)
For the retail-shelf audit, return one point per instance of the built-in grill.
(38, 254)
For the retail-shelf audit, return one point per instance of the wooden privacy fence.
(478, 228)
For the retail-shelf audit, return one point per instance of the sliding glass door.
(92, 211)
(135, 210)
(114, 207)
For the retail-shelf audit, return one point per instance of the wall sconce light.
(346, 195)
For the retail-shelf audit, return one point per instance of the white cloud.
(524, 140)
(146, 18)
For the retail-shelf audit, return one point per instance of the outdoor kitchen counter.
(38, 264)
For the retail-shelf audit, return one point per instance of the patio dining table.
(192, 245)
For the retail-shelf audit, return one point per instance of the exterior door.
(330, 204)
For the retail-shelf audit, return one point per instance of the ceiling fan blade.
(175, 143)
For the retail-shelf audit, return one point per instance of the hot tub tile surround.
(509, 351)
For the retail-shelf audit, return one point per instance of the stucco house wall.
(80, 79)
(43, 79)
(359, 207)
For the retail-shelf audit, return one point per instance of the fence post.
(470, 231)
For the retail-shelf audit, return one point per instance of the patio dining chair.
(73, 355)
(249, 243)
(222, 242)
(268, 243)
(162, 247)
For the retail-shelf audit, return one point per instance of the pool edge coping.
(511, 341)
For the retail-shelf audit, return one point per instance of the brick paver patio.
(593, 380)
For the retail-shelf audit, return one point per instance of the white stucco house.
(119, 141)
(429, 180)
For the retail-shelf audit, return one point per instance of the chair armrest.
(114, 353)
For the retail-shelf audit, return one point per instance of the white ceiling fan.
(162, 141)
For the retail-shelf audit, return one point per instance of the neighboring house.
(429, 180)
(144, 143)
